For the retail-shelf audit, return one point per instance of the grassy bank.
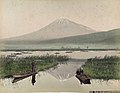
(21, 65)
(103, 68)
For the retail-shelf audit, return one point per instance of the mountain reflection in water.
(65, 71)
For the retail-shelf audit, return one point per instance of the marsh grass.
(22, 65)
(103, 68)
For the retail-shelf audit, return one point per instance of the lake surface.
(74, 54)
(61, 78)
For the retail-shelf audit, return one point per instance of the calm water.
(61, 78)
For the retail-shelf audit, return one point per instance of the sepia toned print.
(59, 46)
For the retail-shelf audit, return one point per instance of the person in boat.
(33, 66)
(80, 71)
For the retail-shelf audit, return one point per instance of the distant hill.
(107, 37)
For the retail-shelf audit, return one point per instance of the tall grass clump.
(103, 68)
(21, 65)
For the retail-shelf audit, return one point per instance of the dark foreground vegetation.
(103, 68)
(20, 65)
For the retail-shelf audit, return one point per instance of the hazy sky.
(19, 17)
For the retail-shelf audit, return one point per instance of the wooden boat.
(68, 52)
(83, 79)
(57, 53)
(17, 53)
(20, 77)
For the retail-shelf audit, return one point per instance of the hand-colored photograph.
(70, 46)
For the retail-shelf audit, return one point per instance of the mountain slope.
(58, 29)
(109, 37)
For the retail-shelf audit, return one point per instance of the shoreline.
(59, 49)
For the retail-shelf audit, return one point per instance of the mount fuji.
(59, 28)
(63, 32)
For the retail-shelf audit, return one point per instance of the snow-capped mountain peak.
(62, 21)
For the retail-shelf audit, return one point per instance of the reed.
(103, 68)
(22, 65)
